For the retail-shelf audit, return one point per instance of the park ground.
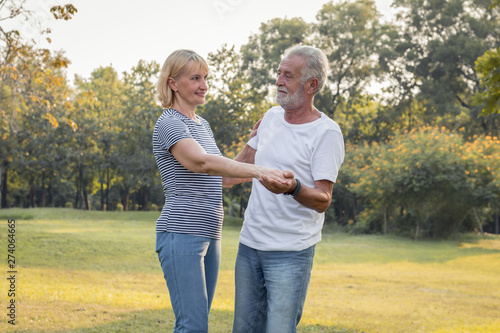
(80, 271)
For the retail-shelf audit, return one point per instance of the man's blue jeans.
(271, 288)
(191, 268)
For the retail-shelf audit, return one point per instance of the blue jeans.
(191, 268)
(271, 288)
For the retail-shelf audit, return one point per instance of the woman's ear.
(172, 84)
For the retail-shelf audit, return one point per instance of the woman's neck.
(189, 112)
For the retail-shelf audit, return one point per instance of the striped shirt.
(193, 201)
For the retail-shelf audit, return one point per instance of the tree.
(16, 48)
(101, 103)
(438, 44)
(261, 56)
(43, 111)
(488, 69)
(354, 40)
(134, 154)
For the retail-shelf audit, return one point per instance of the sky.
(122, 32)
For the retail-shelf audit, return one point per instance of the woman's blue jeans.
(271, 288)
(191, 268)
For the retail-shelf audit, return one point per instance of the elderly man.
(280, 230)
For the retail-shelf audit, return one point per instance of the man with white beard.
(280, 230)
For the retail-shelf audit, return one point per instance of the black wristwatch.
(296, 191)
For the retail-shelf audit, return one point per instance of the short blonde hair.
(175, 66)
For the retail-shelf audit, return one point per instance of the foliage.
(428, 182)
(438, 44)
(488, 69)
(262, 54)
(352, 36)
(30, 78)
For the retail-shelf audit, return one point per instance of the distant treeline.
(416, 97)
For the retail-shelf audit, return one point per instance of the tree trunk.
(126, 200)
(495, 217)
(32, 194)
(3, 186)
(86, 198)
(108, 181)
(42, 197)
(103, 207)
(145, 198)
(78, 182)
(50, 190)
(478, 221)
(385, 220)
(240, 213)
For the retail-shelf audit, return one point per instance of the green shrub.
(429, 182)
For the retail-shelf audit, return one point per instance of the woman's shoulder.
(170, 118)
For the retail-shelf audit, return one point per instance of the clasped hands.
(278, 181)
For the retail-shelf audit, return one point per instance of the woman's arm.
(193, 157)
(246, 155)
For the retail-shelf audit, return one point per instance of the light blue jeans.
(271, 288)
(191, 268)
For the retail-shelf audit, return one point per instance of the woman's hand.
(255, 128)
(278, 182)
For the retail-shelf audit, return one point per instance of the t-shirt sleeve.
(253, 142)
(328, 156)
(170, 131)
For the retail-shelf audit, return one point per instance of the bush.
(428, 182)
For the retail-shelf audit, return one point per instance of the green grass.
(97, 272)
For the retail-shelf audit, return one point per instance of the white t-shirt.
(312, 151)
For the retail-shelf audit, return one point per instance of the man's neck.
(302, 115)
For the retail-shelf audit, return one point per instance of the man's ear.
(312, 85)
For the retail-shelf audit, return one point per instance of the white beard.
(290, 102)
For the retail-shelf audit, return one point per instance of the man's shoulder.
(330, 123)
(276, 110)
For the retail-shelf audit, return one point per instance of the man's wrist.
(296, 190)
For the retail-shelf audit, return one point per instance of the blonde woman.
(192, 172)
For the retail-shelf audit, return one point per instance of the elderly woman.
(192, 170)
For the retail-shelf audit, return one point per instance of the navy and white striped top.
(193, 201)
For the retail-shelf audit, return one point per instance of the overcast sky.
(122, 32)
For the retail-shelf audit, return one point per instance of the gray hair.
(317, 64)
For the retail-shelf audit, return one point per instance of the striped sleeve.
(170, 131)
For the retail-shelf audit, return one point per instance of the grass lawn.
(81, 271)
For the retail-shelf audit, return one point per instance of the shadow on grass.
(153, 321)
